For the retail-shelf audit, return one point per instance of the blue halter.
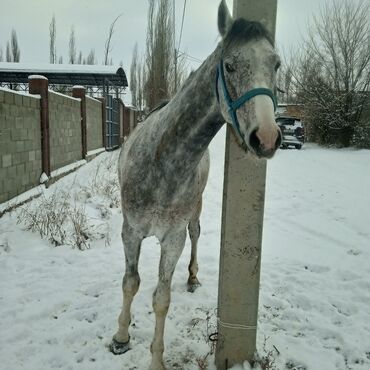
(234, 105)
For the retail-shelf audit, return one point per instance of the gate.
(112, 131)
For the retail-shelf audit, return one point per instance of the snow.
(65, 169)
(37, 77)
(63, 95)
(19, 199)
(95, 151)
(44, 178)
(40, 68)
(36, 96)
(59, 305)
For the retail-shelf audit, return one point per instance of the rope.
(235, 326)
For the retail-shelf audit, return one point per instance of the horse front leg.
(130, 286)
(172, 246)
(194, 232)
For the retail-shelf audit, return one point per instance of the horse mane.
(243, 30)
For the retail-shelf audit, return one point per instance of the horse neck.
(192, 118)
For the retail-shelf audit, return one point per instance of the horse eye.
(277, 66)
(229, 68)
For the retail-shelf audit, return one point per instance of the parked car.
(292, 130)
(290, 140)
(291, 126)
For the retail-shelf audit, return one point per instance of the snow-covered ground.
(59, 305)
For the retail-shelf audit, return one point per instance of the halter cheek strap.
(233, 105)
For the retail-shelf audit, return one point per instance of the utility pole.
(174, 42)
(241, 230)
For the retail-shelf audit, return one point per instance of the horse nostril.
(254, 141)
(257, 142)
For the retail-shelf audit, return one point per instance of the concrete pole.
(241, 234)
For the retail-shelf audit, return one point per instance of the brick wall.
(65, 130)
(43, 132)
(20, 143)
(94, 123)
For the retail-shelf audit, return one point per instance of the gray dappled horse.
(163, 167)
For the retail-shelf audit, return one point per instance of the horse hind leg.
(194, 232)
(172, 246)
(130, 286)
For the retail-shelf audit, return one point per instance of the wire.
(187, 56)
(182, 25)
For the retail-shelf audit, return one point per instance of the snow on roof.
(59, 68)
(37, 77)
(65, 74)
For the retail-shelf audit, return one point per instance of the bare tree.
(287, 83)
(52, 42)
(133, 76)
(79, 60)
(72, 47)
(332, 75)
(178, 72)
(60, 60)
(15, 52)
(8, 55)
(141, 81)
(1, 54)
(91, 57)
(108, 47)
(159, 52)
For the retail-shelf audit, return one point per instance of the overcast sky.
(91, 20)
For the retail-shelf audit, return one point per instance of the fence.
(49, 133)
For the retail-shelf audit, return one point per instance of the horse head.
(246, 79)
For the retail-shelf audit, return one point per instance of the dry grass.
(266, 361)
(106, 186)
(208, 321)
(61, 218)
(56, 220)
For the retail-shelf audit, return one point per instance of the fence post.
(80, 92)
(241, 234)
(40, 85)
(103, 121)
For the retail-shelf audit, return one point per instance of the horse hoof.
(193, 287)
(118, 348)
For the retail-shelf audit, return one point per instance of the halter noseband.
(233, 105)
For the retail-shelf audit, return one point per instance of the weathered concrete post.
(241, 237)
(40, 85)
(80, 92)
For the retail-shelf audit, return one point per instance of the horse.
(163, 165)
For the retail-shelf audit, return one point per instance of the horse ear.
(224, 19)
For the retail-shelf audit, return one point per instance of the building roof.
(64, 74)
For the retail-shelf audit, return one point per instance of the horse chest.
(157, 201)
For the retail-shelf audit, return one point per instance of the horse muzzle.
(265, 141)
